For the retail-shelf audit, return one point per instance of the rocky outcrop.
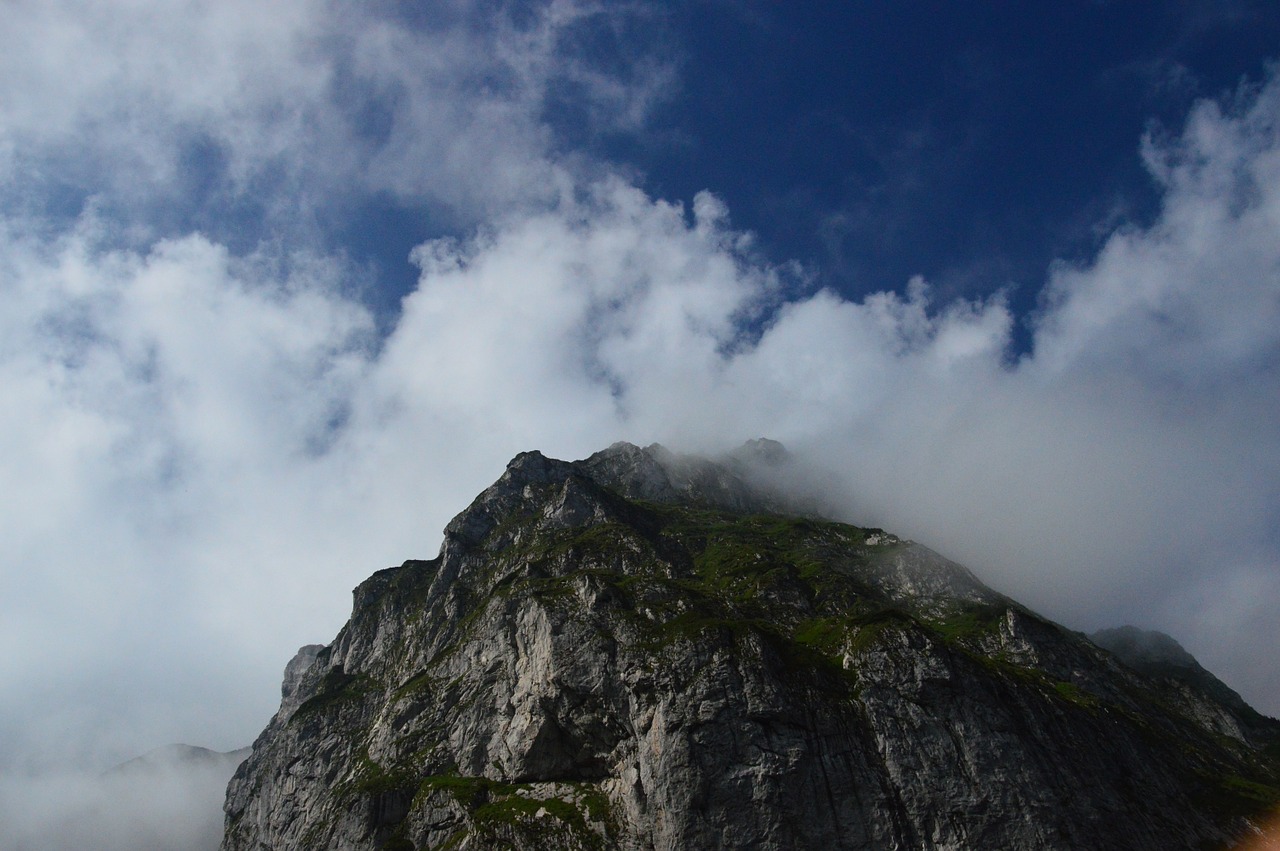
(640, 650)
(291, 694)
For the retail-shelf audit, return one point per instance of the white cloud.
(166, 802)
(292, 105)
(171, 402)
(161, 406)
(1193, 297)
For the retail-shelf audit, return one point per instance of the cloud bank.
(169, 799)
(207, 439)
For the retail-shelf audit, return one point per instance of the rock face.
(640, 651)
(1185, 683)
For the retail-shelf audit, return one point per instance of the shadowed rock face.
(640, 650)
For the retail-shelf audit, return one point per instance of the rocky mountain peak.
(1145, 648)
(649, 650)
(1199, 693)
(585, 489)
(656, 474)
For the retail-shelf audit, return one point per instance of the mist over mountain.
(169, 799)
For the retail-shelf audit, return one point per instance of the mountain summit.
(645, 650)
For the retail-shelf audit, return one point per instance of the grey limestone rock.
(294, 671)
(644, 651)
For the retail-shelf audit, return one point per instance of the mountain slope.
(638, 651)
(180, 756)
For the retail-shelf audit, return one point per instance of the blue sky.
(973, 145)
(874, 142)
(286, 285)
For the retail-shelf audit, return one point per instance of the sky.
(285, 285)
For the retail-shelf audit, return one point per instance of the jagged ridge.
(638, 650)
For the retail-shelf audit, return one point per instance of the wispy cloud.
(169, 112)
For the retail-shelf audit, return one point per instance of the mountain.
(179, 756)
(649, 651)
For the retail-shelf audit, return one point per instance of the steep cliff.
(642, 650)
